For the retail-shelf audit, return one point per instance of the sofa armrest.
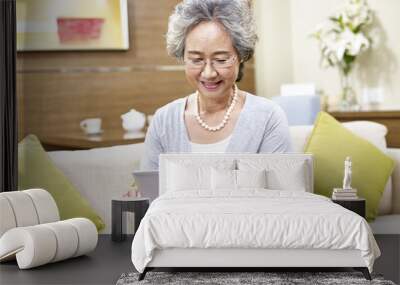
(395, 154)
(100, 174)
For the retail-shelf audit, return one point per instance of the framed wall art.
(44, 25)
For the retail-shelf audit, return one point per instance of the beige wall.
(380, 67)
(273, 58)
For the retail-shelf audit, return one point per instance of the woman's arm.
(276, 136)
(153, 147)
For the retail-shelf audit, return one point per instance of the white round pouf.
(67, 240)
(33, 246)
(37, 245)
(23, 208)
(7, 216)
(30, 230)
(87, 233)
(45, 205)
(26, 208)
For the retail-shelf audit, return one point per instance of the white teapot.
(133, 121)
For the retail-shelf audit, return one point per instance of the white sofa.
(103, 173)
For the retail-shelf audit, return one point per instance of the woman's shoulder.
(176, 104)
(264, 109)
(259, 103)
(172, 108)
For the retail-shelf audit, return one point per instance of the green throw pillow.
(330, 143)
(36, 170)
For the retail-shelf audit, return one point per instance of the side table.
(356, 205)
(138, 206)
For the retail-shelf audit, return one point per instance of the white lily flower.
(340, 51)
(344, 33)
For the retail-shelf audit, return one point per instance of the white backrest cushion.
(371, 131)
(299, 136)
(100, 173)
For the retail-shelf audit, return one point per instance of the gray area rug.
(269, 278)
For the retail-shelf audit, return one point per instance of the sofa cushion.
(371, 131)
(299, 136)
(36, 170)
(331, 143)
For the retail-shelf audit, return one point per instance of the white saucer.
(95, 134)
(134, 135)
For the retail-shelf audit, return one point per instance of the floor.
(102, 266)
(111, 259)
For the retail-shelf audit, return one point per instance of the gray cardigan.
(261, 127)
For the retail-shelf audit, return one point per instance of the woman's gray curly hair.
(235, 15)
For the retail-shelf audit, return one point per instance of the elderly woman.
(214, 38)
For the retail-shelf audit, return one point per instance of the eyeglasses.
(217, 63)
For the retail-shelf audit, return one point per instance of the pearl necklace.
(226, 117)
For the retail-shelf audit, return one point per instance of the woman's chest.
(199, 134)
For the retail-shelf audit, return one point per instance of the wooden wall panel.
(56, 90)
(49, 109)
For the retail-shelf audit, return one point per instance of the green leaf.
(358, 29)
(348, 59)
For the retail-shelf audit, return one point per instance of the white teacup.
(91, 126)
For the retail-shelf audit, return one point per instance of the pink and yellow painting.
(72, 25)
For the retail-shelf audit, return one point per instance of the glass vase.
(348, 97)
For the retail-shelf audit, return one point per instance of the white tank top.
(211, 147)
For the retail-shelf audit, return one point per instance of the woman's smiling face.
(207, 46)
